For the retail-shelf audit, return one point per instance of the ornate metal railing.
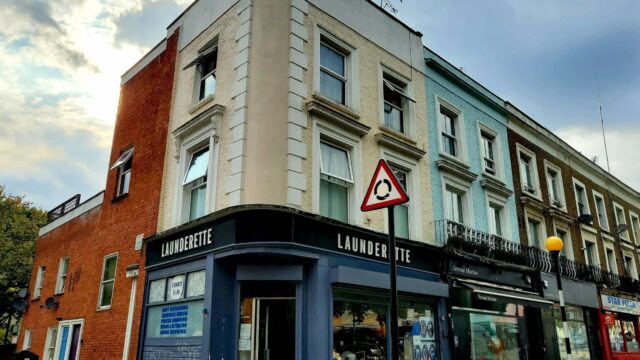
(475, 242)
(64, 208)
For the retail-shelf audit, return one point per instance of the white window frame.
(467, 197)
(49, 351)
(568, 242)
(27, 340)
(67, 349)
(559, 186)
(521, 150)
(408, 102)
(586, 197)
(588, 236)
(542, 231)
(62, 277)
(189, 145)
(493, 199)
(611, 268)
(125, 157)
(103, 282)
(459, 125)
(323, 131)
(411, 168)
(635, 229)
(497, 151)
(352, 82)
(625, 234)
(596, 195)
(634, 271)
(37, 288)
(210, 46)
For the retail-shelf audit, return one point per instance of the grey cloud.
(146, 26)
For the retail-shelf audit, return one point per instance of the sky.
(61, 64)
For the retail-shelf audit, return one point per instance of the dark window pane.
(331, 60)
(110, 268)
(107, 293)
(332, 87)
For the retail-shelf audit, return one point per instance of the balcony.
(458, 237)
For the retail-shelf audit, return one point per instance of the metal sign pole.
(393, 286)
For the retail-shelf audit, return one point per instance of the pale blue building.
(469, 160)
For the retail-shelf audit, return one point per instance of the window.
(622, 335)
(123, 164)
(630, 266)
(176, 305)
(108, 280)
(562, 234)
(448, 124)
(336, 180)
(396, 103)
(554, 185)
(562, 231)
(600, 211)
(578, 335)
(635, 227)
(206, 64)
(26, 343)
(50, 343)
(528, 171)
(195, 183)
(581, 198)
(533, 232)
(62, 275)
(69, 336)
(611, 260)
(488, 152)
(455, 199)
(620, 220)
(591, 253)
(496, 218)
(333, 76)
(401, 212)
(39, 282)
(414, 315)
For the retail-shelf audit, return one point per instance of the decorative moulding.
(400, 146)
(456, 169)
(337, 114)
(496, 186)
(208, 118)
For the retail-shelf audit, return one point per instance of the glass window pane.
(417, 331)
(125, 179)
(332, 87)
(331, 59)
(175, 288)
(334, 201)
(196, 283)
(156, 290)
(393, 117)
(401, 216)
(208, 86)
(491, 335)
(107, 293)
(335, 161)
(175, 320)
(197, 203)
(110, 268)
(359, 330)
(198, 166)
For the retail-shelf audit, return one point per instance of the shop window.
(622, 336)
(336, 181)
(418, 332)
(494, 337)
(176, 305)
(108, 281)
(577, 333)
(359, 326)
(123, 164)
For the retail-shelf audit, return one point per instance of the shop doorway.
(267, 321)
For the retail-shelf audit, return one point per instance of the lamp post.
(554, 245)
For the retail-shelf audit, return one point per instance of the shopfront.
(497, 312)
(582, 307)
(265, 282)
(619, 326)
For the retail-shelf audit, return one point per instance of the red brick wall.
(568, 173)
(142, 121)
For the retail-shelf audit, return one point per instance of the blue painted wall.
(475, 110)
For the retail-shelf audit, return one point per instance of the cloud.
(145, 25)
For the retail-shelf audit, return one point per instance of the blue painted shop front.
(265, 282)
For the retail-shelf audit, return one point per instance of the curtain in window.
(335, 162)
(198, 166)
(401, 217)
(334, 202)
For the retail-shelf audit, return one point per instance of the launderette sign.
(617, 304)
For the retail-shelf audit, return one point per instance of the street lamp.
(554, 245)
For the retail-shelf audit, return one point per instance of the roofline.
(521, 115)
(85, 206)
(395, 18)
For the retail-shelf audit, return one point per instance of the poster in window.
(176, 287)
(427, 328)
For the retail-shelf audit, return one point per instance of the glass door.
(68, 347)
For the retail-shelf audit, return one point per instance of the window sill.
(454, 167)
(200, 104)
(119, 198)
(589, 228)
(455, 159)
(495, 185)
(607, 237)
(339, 115)
(532, 201)
(398, 145)
(105, 308)
(530, 195)
(399, 135)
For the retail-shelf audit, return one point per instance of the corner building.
(281, 110)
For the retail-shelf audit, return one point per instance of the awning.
(395, 88)
(201, 56)
(490, 293)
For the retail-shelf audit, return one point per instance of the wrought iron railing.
(472, 241)
(64, 208)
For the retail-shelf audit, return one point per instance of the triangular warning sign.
(384, 190)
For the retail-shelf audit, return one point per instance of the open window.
(195, 182)
(396, 103)
(528, 172)
(206, 64)
(123, 165)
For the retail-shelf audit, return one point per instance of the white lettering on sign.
(371, 248)
(617, 304)
(186, 243)
(464, 270)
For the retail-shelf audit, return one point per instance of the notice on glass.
(427, 328)
(245, 331)
(176, 287)
(244, 345)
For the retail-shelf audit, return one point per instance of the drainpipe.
(132, 272)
